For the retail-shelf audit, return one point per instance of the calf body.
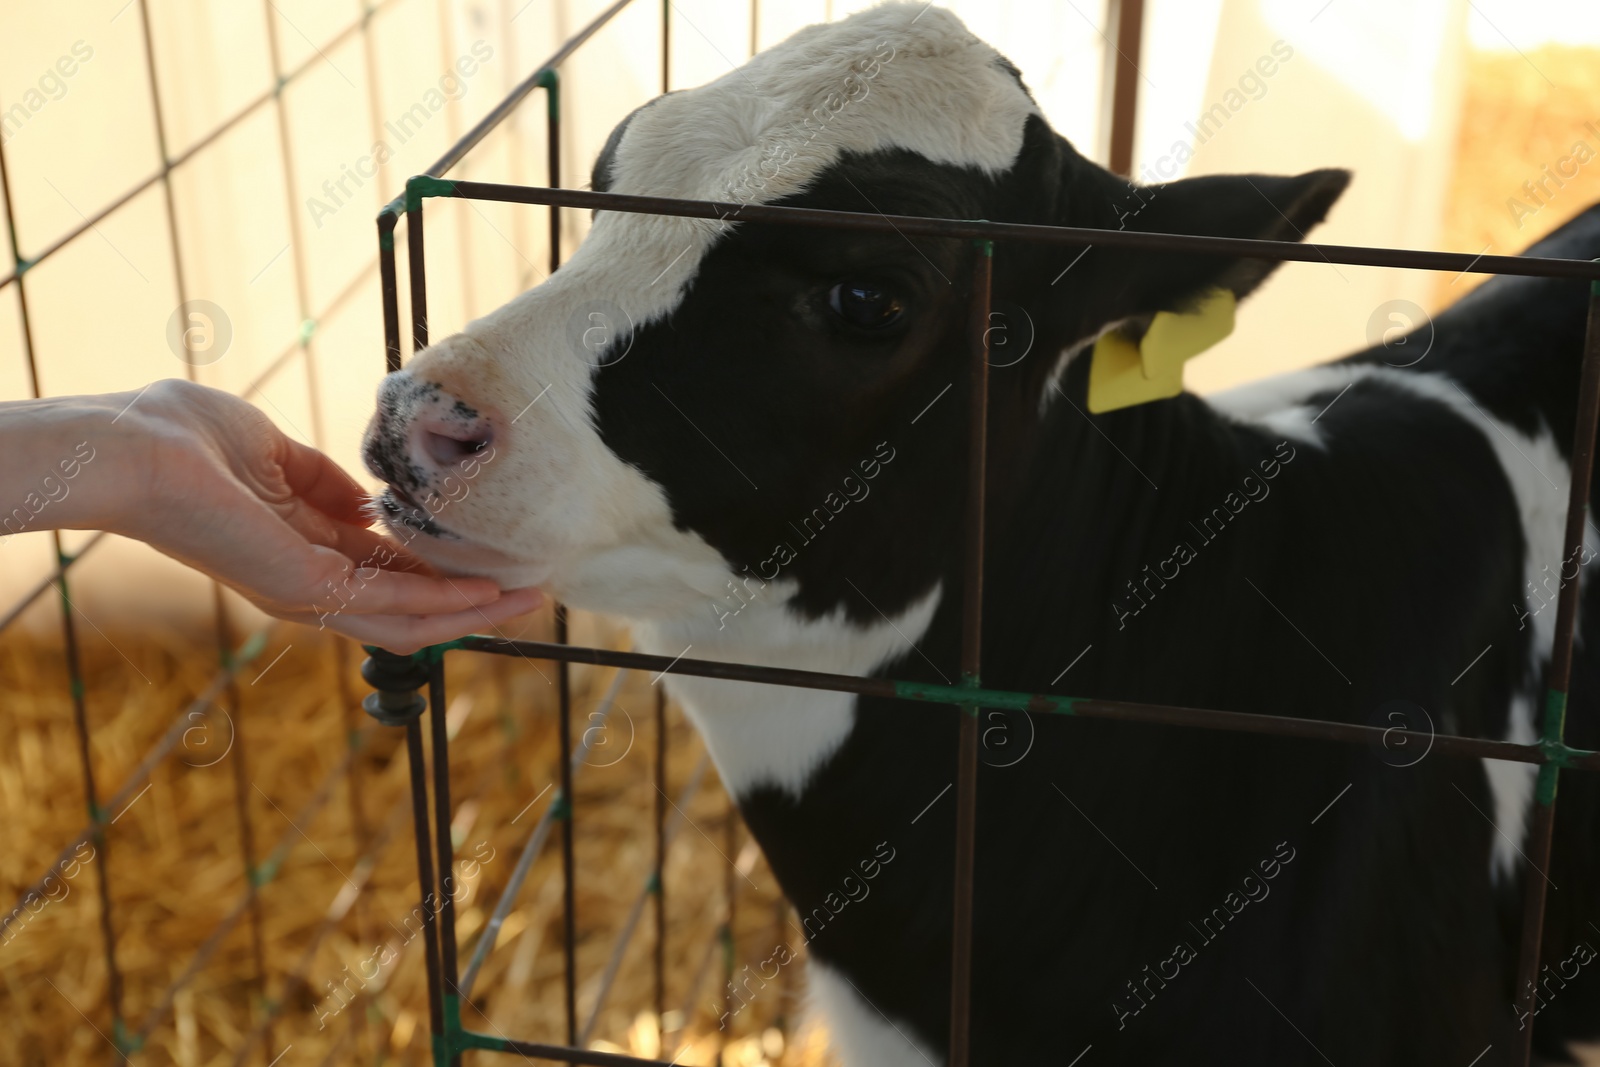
(764, 463)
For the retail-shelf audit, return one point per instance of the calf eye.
(864, 305)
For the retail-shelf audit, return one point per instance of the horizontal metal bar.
(1036, 703)
(914, 225)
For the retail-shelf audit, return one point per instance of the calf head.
(687, 403)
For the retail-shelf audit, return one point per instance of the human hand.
(209, 480)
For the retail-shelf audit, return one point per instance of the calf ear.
(1122, 282)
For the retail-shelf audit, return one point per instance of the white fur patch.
(1538, 477)
(1511, 786)
(861, 1034)
(897, 76)
(772, 735)
(1276, 403)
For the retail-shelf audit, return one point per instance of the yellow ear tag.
(1124, 373)
(1174, 338)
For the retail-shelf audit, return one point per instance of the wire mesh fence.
(399, 682)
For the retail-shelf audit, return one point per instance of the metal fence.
(398, 681)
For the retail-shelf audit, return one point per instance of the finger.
(406, 634)
(323, 484)
(369, 548)
(370, 590)
(244, 542)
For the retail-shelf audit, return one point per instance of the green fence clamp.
(386, 239)
(266, 872)
(559, 808)
(984, 244)
(470, 1040)
(550, 82)
(24, 266)
(97, 814)
(391, 210)
(652, 885)
(725, 937)
(435, 653)
(127, 1043)
(252, 646)
(457, 1039)
(353, 739)
(1555, 721)
(1545, 791)
(77, 688)
(422, 186)
(307, 328)
(1561, 754)
(988, 698)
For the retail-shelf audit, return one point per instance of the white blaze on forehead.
(902, 76)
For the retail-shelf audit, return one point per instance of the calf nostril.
(447, 449)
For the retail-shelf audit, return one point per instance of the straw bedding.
(348, 987)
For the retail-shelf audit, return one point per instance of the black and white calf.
(767, 466)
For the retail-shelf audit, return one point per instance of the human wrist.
(69, 464)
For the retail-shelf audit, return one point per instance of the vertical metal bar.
(302, 292)
(780, 917)
(569, 893)
(1560, 676)
(755, 24)
(971, 660)
(389, 287)
(569, 897)
(730, 943)
(241, 805)
(416, 268)
(452, 118)
(416, 264)
(666, 46)
(223, 630)
(447, 887)
(430, 903)
(660, 883)
(552, 94)
(359, 830)
(69, 632)
(519, 225)
(1127, 27)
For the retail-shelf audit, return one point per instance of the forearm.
(69, 463)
